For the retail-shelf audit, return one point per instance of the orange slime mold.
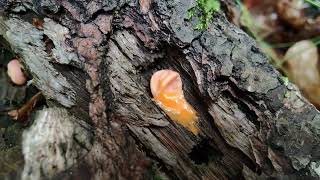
(166, 88)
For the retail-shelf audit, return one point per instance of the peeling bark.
(251, 124)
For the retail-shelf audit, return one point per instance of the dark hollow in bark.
(93, 61)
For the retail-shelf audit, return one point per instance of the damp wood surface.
(94, 60)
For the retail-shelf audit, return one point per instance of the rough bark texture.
(94, 60)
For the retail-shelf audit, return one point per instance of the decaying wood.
(95, 59)
(53, 144)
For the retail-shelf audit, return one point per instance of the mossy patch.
(204, 11)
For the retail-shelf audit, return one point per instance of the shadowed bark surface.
(93, 61)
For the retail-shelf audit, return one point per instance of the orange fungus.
(15, 72)
(166, 88)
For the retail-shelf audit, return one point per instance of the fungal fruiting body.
(166, 88)
(15, 72)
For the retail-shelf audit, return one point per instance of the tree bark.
(93, 60)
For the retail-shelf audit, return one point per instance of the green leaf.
(314, 3)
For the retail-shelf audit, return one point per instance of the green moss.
(285, 80)
(205, 10)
